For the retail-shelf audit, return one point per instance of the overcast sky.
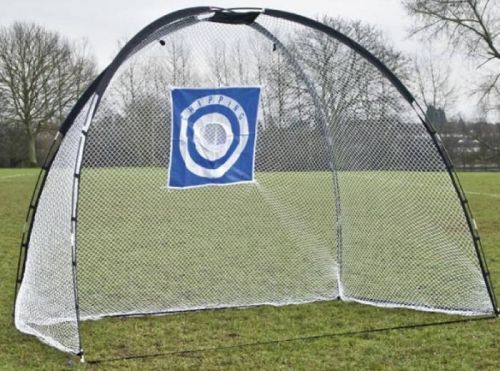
(104, 22)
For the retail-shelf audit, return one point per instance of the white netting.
(45, 304)
(351, 197)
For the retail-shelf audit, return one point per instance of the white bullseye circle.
(213, 135)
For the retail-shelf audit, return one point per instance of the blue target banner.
(213, 136)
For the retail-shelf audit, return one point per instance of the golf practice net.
(231, 158)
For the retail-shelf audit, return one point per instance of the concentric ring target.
(213, 136)
(212, 151)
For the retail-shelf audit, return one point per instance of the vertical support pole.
(328, 142)
(74, 215)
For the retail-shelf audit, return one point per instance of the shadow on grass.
(282, 341)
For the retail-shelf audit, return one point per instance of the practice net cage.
(334, 184)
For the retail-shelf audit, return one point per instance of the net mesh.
(45, 304)
(351, 197)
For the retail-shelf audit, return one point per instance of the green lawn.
(337, 330)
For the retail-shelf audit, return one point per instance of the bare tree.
(488, 138)
(174, 66)
(469, 25)
(347, 83)
(130, 81)
(41, 75)
(220, 64)
(432, 80)
(239, 58)
(150, 74)
(432, 83)
(261, 60)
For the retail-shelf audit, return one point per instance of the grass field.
(324, 335)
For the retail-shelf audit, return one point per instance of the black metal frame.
(233, 16)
